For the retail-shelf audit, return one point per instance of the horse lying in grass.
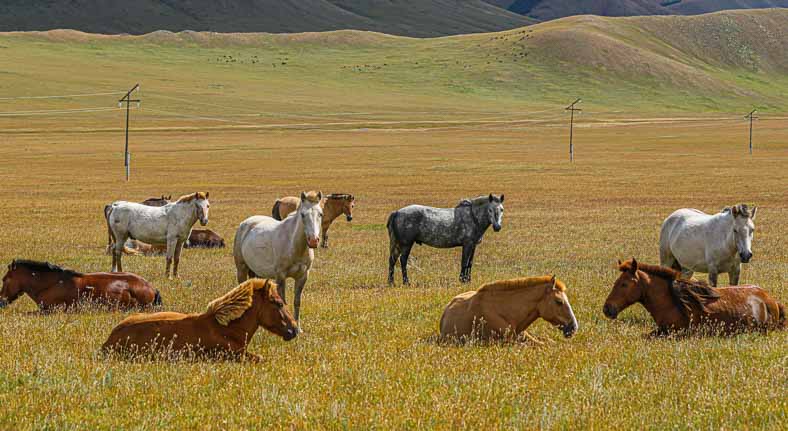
(677, 304)
(505, 309)
(51, 286)
(157, 202)
(223, 331)
(333, 206)
(204, 238)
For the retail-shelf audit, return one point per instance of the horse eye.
(559, 302)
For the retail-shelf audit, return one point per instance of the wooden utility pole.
(571, 108)
(127, 98)
(751, 116)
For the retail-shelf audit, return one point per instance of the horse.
(461, 226)
(269, 248)
(678, 304)
(132, 247)
(505, 309)
(223, 330)
(170, 225)
(333, 205)
(157, 202)
(204, 238)
(51, 286)
(692, 241)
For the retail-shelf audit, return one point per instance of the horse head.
(311, 216)
(743, 230)
(348, 203)
(202, 206)
(12, 285)
(626, 290)
(555, 308)
(273, 316)
(495, 211)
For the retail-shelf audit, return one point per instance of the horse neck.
(726, 222)
(332, 209)
(294, 226)
(659, 302)
(518, 306)
(481, 222)
(189, 209)
(34, 286)
(244, 327)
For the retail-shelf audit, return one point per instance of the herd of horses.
(269, 250)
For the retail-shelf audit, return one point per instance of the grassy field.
(367, 359)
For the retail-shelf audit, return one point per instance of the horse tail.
(110, 235)
(157, 299)
(391, 225)
(275, 210)
(782, 321)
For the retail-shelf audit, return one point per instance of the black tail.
(157, 299)
(391, 225)
(275, 211)
(782, 321)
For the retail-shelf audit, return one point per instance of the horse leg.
(733, 274)
(394, 254)
(465, 270)
(177, 258)
(241, 271)
(117, 253)
(299, 288)
(281, 284)
(470, 260)
(713, 276)
(325, 236)
(171, 242)
(403, 261)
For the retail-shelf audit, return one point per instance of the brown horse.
(677, 304)
(52, 286)
(157, 202)
(204, 238)
(224, 330)
(334, 205)
(505, 309)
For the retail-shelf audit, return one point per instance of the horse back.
(747, 305)
(428, 225)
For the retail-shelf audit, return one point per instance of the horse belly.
(260, 256)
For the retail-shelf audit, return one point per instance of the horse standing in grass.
(677, 304)
(51, 286)
(461, 226)
(268, 248)
(692, 241)
(334, 205)
(223, 331)
(170, 225)
(157, 202)
(505, 309)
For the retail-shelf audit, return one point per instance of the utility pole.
(751, 116)
(571, 108)
(127, 98)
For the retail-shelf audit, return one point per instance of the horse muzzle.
(3, 303)
(290, 334)
(568, 330)
(745, 257)
(203, 222)
(349, 218)
(313, 242)
(610, 311)
(497, 227)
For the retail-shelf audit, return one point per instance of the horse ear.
(319, 195)
(303, 196)
(206, 194)
(502, 198)
(634, 267)
(735, 210)
(553, 281)
(491, 197)
(619, 262)
(754, 210)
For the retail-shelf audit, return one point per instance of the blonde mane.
(193, 196)
(234, 303)
(313, 197)
(521, 283)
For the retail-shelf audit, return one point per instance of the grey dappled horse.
(461, 226)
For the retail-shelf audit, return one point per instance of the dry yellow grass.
(366, 359)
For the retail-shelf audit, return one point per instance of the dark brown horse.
(204, 238)
(157, 202)
(224, 330)
(334, 205)
(677, 304)
(51, 286)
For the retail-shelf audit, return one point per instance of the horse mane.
(521, 283)
(477, 201)
(341, 196)
(192, 196)
(46, 267)
(686, 294)
(739, 210)
(691, 294)
(234, 303)
(312, 197)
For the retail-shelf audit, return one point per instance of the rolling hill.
(419, 18)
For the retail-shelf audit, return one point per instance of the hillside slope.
(420, 18)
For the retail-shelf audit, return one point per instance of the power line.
(55, 111)
(65, 96)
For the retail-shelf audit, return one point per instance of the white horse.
(268, 248)
(169, 224)
(691, 241)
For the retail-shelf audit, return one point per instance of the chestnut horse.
(334, 205)
(204, 238)
(224, 330)
(157, 202)
(677, 304)
(505, 309)
(52, 286)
